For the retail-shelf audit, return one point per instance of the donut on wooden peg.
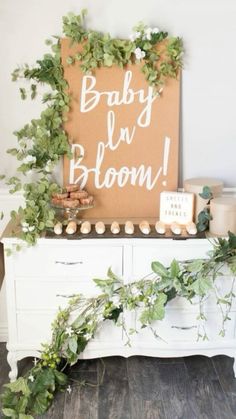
(58, 228)
(191, 228)
(145, 227)
(175, 228)
(71, 227)
(100, 227)
(160, 227)
(85, 227)
(115, 228)
(129, 227)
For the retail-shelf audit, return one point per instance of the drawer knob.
(184, 327)
(68, 263)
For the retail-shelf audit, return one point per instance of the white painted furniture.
(35, 277)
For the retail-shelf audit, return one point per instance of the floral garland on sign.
(77, 324)
(43, 141)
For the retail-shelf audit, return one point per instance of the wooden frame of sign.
(125, 140)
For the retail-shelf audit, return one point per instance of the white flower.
(69, 389)
(26, 227)
(134, 36)
(69, 331)
(48, 166)
(155, 30)
(30, 159)
(24, 224)
(148, 34)
(152, 299)
(35, 361)
(87, 336)
(31, 378)
(139, 53)
(115, 300)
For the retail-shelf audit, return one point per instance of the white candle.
(144, 227)
(175, 228)
(85, 227)
(58, 228)
(71, 227)
(100, 227)
(160, 227)
(129, 227)
(191, 228)
(115, 228)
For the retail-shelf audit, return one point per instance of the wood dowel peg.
(58, 228)
(115, 228)
(71, 227)
(175, 228)
(85, 227)
(129, 227)
(100, 227)
(191, 228)
(145, 227)
(160, 227)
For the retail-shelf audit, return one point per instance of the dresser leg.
(12, 361)
(234, 367)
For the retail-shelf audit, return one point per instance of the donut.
(79, 194)
(56, 201)
(70, 203)
(62, 195)
(72, 188)
(86, 201)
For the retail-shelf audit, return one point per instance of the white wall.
(208, 134)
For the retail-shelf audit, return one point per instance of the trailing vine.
(75, 325)
(42, 142)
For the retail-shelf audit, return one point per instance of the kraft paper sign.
(124, 139)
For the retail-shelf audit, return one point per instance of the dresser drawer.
(79, 261)
(182, 326)
(165, 252)
(35, 329)
(50, 294)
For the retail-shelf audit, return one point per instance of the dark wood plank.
(4, 367)
(145, 388)
(113, 402)
(211, 399)
(177, 393)
(224, 369)
(82, 402)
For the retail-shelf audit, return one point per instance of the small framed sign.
(176, 206)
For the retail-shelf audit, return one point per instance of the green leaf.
(202, 285)
(174, 268)
(20, 385)
(155, 312)
(10, 413)
(23, 416)
(45, 379)
(206, 193)
(61, 379)
(108, 60)
(159, 269)
(73, 345)
(41, 403)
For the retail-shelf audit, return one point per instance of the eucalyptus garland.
(43, 142)
(77, 324)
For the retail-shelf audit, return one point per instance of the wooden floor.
(145, 388)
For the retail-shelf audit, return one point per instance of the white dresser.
(38, 277)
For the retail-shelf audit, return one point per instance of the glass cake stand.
(67, 214)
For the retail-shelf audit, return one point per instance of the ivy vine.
(77, 324)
